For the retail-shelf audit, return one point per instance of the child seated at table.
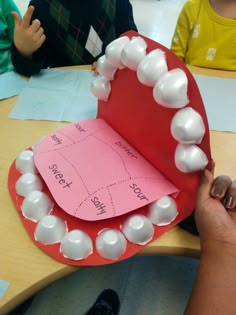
(55, 33)
(6, 34)
(205, 34)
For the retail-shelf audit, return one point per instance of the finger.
(35, 26)
(220, 186)
(39, 33)
(230, 197)
(212, 166)
(205, 185)
(27, 17)
(41, 40)
(17, 18)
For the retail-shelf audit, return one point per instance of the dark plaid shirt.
(67, 24)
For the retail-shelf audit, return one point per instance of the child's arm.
(124, 20)
(10, 6)
(28, 51)
(183, 30)
(214, 291)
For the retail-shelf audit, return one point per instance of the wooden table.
(24, 265)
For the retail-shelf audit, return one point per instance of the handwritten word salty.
(99, 205)
(56, 139)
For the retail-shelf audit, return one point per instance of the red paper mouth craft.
(109, 186)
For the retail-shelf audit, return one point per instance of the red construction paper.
(133, 113)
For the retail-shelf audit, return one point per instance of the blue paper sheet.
(219, 97)
(64, 95)
(59, 95)
(11, 84)
(3, 287)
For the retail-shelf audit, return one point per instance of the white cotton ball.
(190, 158)
(105, 68)
(101, 88)
(133, 53)
(187, 126)
(171, 89)
(152, 67)
(114, 49)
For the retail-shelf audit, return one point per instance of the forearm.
(24, 66)
(214, 291)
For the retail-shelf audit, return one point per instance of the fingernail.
(217, 191)
(229, 202)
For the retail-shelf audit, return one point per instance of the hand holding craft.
(215, 211)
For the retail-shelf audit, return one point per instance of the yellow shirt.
(203, 38)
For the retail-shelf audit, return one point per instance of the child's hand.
(27, 38)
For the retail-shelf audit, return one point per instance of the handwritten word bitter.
(126, 149)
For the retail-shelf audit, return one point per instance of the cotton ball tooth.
(162, 211)
(27, 183)
(76, 245)
(187, 126)
(190, 158)
(101, 88)
(138, 229)
(105, 68)
(152, 67)
(133, 53)
(111, 243)
(114, 49)
(25, 162)
(36, 205)
(171, 89)
(50, 230)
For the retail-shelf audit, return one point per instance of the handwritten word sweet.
(59, 176)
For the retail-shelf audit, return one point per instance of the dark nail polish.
(229, 202)
(217, 191)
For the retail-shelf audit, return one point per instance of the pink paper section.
(94, 174)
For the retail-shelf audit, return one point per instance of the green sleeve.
(10, 6)
(184, 27)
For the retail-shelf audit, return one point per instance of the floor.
(146, 285)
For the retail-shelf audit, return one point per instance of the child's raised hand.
(27, 37)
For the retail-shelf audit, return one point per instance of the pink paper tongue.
(94, 174)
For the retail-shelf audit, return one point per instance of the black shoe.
(107, 303)
(189, 224)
